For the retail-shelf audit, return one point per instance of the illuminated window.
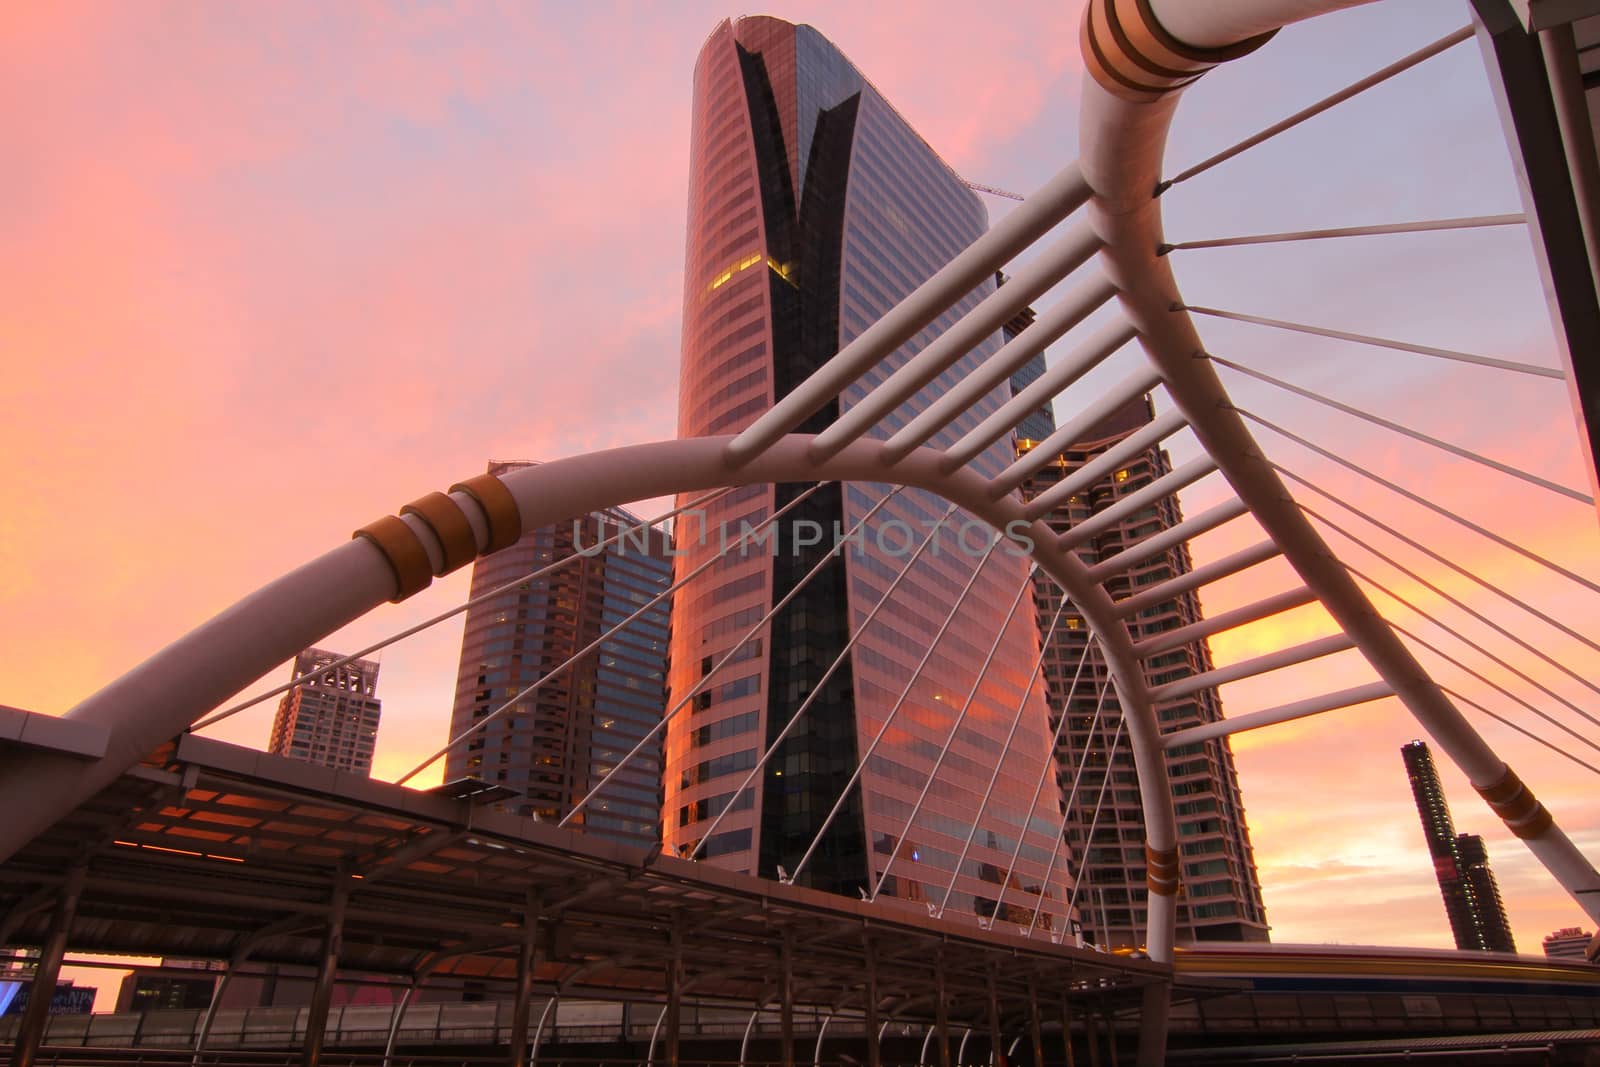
(1122, 475)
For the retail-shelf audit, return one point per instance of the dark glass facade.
(331, 720)
(560, 741)
(1221, 892)
(813, 210)
(1460, 862)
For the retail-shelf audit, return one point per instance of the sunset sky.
(270, 271)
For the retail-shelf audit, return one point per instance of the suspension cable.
(1322, 105)
(1557, 723)
(727, 658)
(1470, 223)
(994, 777)
(821, 683)
(1383, 342)
(1072, 800)
(1406, 431)
(905, 693)
(1437, 509)
(1502, 690)
(1445, 560)
(589, 649)
(1050, 759)
(1478, 615)
(1094, 820)
(1529, 734)
(452, 613)
(955, 728)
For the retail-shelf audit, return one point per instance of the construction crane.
(991, 190)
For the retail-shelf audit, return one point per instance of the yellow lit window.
(744, 264)
(1122, 475)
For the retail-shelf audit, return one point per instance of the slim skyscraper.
(559, 741)
(331, 720)
(1221, 892)
(1460, 862)
(814, 208)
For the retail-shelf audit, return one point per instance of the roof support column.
(234, 963)
(941, 1011)
(527, 963)
(327, 973)
(399, 1017)
(997, 1051)
(870, 1004)
(1153, 1024)
(30, 1034)
(1110, 1016)
(674, 991)
(1035, 1037)
(1066, 1025)
(786, 998)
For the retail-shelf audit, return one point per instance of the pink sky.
(272, 271)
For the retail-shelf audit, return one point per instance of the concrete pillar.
(527, 963)
(941, 1011)
(327, 974)
(1110, 1017)
(30, 1032)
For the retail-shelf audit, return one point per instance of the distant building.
(332, 719)
(1220, 898)
(562, 739)
(1568, 943)
(1041, 422)
(1460, 863)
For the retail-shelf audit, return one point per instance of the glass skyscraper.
(558, 742)
(814, 208)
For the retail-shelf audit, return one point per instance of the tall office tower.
(1568, 943)
(559, 741)
(1460, 862)
(332, 719)
(1221, 895)
(814, 208)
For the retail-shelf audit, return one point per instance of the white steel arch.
(1140, 54)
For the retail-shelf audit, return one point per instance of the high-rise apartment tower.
(1460, 862)
(561, 739)
(333, 718)
(1220, 898)
(814, 208)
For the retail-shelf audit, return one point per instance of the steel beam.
(36, 1017)
(869, 996)
(1532, 110)
(527, 963)
(786, 998)
(327, 974)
